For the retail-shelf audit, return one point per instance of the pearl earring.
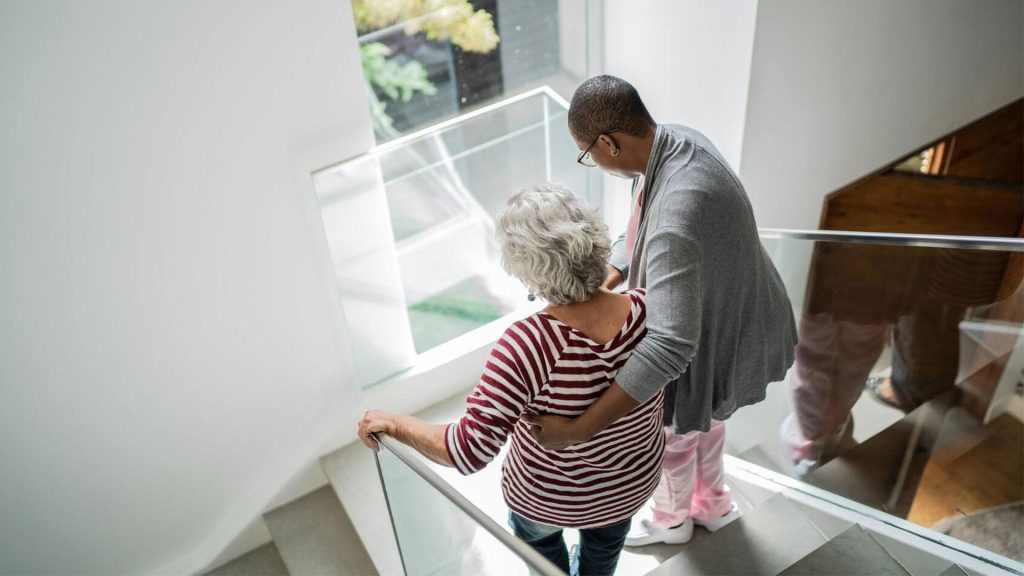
(531, 296)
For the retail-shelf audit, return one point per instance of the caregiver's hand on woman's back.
(551, 431)
(555, 432)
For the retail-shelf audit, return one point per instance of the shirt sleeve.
(618, 258)
(493, 408)
(674, 262)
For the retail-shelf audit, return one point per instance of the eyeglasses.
(584, 158)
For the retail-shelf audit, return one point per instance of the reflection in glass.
(904, 394)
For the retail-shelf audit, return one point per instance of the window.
(428, 60)
(468, 106)
(410, 226)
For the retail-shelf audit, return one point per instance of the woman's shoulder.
(532, 334)
(638, 310)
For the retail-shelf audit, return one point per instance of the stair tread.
(913, 559)
(352, 472)
(315, 536)
(852, 553)
(763, 541)
(869, 472)
(263, 561)
(829, 525)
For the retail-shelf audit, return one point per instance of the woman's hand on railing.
(375, 421)
(425, 438)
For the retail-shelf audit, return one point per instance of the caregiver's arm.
(558, 432)
(673, 328)
(618, 264)
(427, 439)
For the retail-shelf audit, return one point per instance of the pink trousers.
(833, 359)
(692, 477)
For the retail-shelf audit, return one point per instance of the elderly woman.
(557, 361)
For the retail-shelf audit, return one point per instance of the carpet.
(999, 529)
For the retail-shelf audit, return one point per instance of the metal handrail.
(446, 124)
(934, 538)
(896, 239)
(924, 240)
(534, 559)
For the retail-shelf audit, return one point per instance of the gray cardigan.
(719, 322)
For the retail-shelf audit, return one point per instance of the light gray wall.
(689, 59)
(170, 364)
(838, 89)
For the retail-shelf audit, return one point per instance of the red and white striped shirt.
(543, 364)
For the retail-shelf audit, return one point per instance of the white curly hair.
(555, 243)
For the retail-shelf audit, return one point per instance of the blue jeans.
(599, 547)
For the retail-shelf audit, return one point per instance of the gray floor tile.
(315, 536)
(852, 553)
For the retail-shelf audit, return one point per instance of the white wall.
(170, 360)
(838, 89)
(689, 59)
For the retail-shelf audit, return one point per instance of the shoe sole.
(659, 539)
(718, 523)
(656, 540)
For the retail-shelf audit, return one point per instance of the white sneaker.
(715, 524)
(648, 532)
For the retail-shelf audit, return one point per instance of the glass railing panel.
(439, 532)
(906, 391)
(435, 195)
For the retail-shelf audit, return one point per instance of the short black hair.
(604, 103)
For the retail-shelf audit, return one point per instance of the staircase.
(776, 534)
(315, 535)
(344, 527)
(781, 536)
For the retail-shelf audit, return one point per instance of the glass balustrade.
(906, 391)
(410, 225)
(938, 319)
(439, 531)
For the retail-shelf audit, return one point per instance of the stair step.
(827, 524)
(954, 570)
(913, 559)
(768, 456)
(747, 494)
(263, 561)
(852, 553)
(763, 541)
(352, 472)
(870, 473)
(315, 536)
